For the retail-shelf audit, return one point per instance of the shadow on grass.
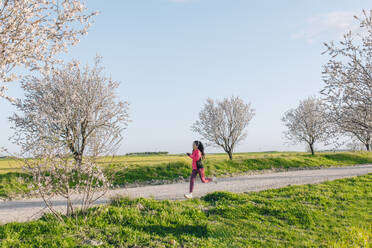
(199, 231)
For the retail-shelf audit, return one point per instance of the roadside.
(16, 185)
(25, 210)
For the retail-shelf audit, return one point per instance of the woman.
(197, 166)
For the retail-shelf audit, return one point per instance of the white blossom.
(348, 83)
(32, 32)
(223, 123)
(307, 123)
(72, 110)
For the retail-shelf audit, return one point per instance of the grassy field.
(174, 167)
(331, 214)
(170, 168)
(11, 165)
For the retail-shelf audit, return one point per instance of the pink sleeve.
(196, 155)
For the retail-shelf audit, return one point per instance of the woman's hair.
(200, 147)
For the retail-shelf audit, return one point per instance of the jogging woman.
(197, 166)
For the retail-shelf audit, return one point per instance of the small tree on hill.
(70, 108)
(223, 123)
(307, 123)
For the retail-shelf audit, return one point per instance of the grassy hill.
(159, 169)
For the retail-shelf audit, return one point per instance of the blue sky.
(171, 55)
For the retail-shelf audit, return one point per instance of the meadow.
(12, 165)
(330, 214)
(158, 169)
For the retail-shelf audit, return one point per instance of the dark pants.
(202, 178)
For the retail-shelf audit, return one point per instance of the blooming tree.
(348, 82)
(72, 107)
(223, 123)
(307, 123)
(32, 32)
(71, 112)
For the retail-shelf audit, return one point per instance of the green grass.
(14, 184)
(331, 214)
(170, 168)
(219, 165)
(12, 165)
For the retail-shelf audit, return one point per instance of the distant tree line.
(146, 153)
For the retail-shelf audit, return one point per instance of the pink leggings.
(202, 178)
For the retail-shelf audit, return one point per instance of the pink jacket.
(196, 155)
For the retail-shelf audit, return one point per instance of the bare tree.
(33, 31)
(70, 108)
(223, 123)
(348, 82)
(307, 123)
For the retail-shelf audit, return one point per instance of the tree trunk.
(70, 209)
(230, 155)
(368, 147)
(78, 158)
(311, 149)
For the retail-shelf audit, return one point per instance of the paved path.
(24, 210)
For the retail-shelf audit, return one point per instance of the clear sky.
(171, 55)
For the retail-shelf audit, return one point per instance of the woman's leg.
(202, 177)
(192, 179)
